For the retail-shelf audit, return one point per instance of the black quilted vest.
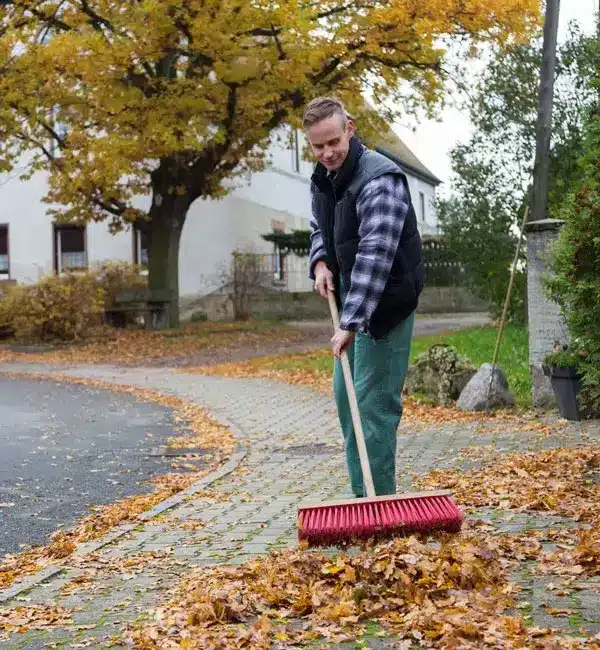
(334, 204)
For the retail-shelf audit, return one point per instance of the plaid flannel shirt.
(381, 208)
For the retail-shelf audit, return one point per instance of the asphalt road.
(66, 447)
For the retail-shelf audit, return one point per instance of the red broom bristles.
(325, 525)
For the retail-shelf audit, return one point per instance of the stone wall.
(545, 322)
(309, 306)
(448, 300)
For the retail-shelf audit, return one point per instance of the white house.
(31, 245)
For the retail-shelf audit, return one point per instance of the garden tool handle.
(358, 430)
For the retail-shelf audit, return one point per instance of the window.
(69, 248)
(4, 262)
(140, 245)
(422, 205)
(295, 147)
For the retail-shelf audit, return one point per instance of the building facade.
(32, 245)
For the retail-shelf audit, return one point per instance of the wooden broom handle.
(358, 430)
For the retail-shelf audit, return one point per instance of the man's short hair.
(322, 108)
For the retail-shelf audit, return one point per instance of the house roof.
(390, 144)
(394, 147)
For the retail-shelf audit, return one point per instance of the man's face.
(330, 140)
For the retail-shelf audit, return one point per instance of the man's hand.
(341, 340)
(323, 279)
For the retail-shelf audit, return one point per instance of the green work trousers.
(379, 369)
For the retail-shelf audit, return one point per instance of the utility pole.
(544, 123)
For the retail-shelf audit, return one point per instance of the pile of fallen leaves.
(130, 346)
(205, 433)
(451, 594)
(561, 481)
(553, 481)
(33, 617)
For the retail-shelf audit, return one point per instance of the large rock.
(478, 395)
(440, 374)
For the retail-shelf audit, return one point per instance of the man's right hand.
(323, 279)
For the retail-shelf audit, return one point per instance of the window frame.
(137, 231)
(57, 248)
(422, 206)
(5, 275)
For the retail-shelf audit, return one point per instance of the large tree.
(171, 98)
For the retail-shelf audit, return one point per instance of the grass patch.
(476, 343)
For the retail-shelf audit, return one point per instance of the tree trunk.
(167, 217)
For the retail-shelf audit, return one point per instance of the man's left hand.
(341, 340)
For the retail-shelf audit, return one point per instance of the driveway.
(67, 447)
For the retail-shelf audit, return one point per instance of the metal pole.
(544, 123)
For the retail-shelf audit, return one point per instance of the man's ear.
(350, 128)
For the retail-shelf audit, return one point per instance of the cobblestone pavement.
(293, 451)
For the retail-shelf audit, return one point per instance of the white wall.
(30, 231)
(212, 230)
(103, 246)
(29, 228)
(430, 224)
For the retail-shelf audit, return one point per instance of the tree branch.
(342, 9)
(278, 45)
(39, 145)
(117, 209)
(436, 65)
(96, 20)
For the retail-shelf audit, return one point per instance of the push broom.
(325, 524)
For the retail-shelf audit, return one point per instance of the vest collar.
(344, 175)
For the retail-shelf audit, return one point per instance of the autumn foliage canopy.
(170, 99)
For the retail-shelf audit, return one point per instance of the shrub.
(575, 285)
(114, 277)
(63, 307)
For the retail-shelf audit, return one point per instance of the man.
(364, 245)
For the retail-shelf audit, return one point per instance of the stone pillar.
(546, 324)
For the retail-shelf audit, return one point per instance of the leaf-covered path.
(289, 449)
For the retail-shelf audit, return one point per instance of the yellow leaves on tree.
(171, 98)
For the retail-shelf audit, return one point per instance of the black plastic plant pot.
(566, 384)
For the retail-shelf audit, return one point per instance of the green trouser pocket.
(379, 369)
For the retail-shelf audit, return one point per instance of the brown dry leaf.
(267, 368)
(552, 481)
(128, 346)
(448, 595)
(97, 567)
(33, 617)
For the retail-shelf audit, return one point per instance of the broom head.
(335, 522)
